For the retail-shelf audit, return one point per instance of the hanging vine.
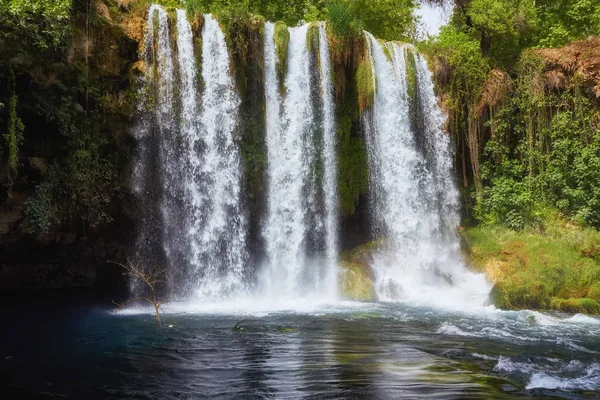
(13, 137)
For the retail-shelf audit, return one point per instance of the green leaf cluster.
(545, 154)
(41, 24)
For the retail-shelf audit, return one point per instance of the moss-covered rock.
(497, 296)
(312, 37)
(412, 88)
(535, 270)
(576, 306)
(366, 84)
(282, 39)
(356, 283)
(357, 278)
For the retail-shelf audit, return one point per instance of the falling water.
(198, 176)
(158, 162)
(329, 154)
(218, 233)
(294, 218)
(420, 261)
(439, 149)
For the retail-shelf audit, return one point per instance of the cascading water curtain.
(414, 199)
(330, 162)
(156, 179)
(294, 217)
(189, 156)
(218, 235)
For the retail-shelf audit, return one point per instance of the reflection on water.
(377, 351)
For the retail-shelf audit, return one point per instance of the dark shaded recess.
(353, 171)
(66, 98)
(246, 38)
(314, 193)
(355, 229)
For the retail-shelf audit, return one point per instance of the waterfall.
(413, 196)
(188, 173)
(295, 223)
(439, 148)
(329, 154)
(156, 178)
(218, 233)
(189, 162)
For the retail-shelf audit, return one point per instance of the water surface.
(347, 350)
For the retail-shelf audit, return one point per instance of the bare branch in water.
(152, 281)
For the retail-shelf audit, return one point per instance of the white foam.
(582, 319)
(257, 306)
(506, 365)
(589, 381)
(451, 329)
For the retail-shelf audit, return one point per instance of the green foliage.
(531, 144)
(504, 28)
(78, 104)
(80, 187)
(502, 18)
(13, 138)
(41, 23)
(289, 12)
(562, 21)
(40, 210)
(341, 19)
(545, 153)
(468, 69)
(386, 19)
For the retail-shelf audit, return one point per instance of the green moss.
(594, 291)
(539, 270)
(386, 49)
(362, 252)
(412, 87)
(356, 283)
(353, 169)
(282, 39)
(352, 158)
(357, 276)
(582, 306)
(366, 84)
(312, 37)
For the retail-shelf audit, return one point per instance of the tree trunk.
(485, 44)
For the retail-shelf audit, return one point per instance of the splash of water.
(414, 198)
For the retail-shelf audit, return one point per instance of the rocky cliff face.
(65, 208)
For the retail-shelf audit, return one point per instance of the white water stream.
(420, 261)
(293, 268)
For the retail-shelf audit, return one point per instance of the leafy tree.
(502, 20)
(42, 24)
(562, 21)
